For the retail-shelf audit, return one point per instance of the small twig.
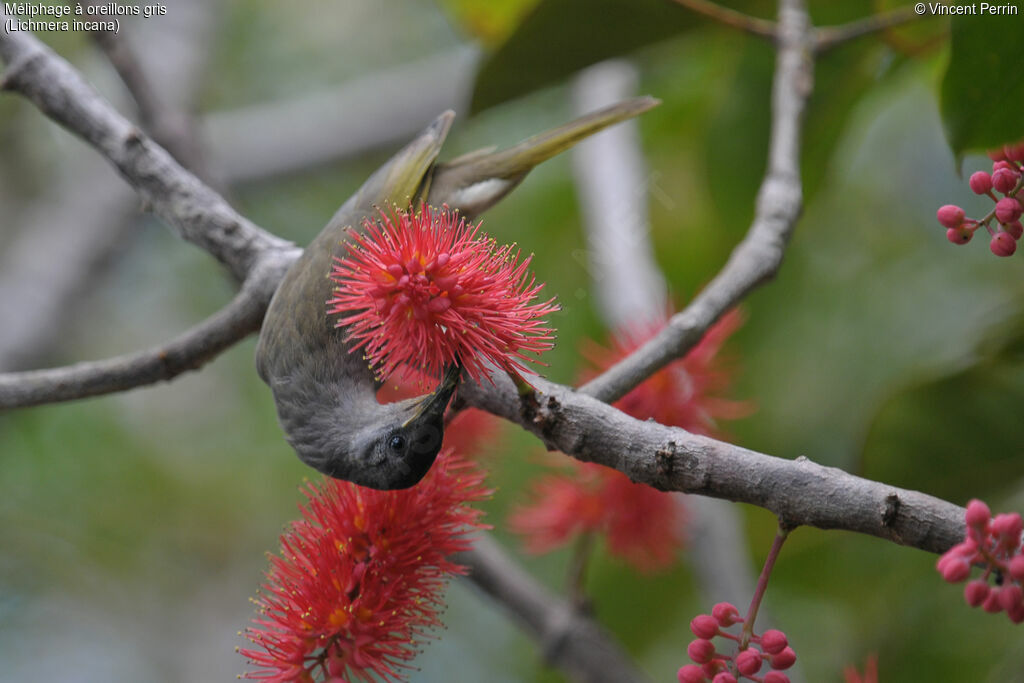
(171, 127)
(198, 213)
(570, 640)
(762, 586)
(761, 28)
(189, 351)
(758, 257)
(827, 37)
(576, 577)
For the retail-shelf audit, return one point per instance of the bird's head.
(392, 448)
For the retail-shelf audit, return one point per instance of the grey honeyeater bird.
(326, 396)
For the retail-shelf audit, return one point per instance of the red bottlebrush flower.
(360, 577)
(643, 526)
(851, 675)
(421, 290)
(686, 393)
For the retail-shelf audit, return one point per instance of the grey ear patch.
(481, 193)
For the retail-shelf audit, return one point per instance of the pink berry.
(980, 182)
(724, 677)
(1004, 179)
(713, 668)
(701, 651)
(704, 626)
(774, 641)
(1014, 152)
(776, 677)
(956, 570)
(1016, 568)
(950, 215)
(691, 673)
(977, 514)
(1008, 526)
(992, 604)
(1010, 595)
(1002, 244)
(1015, 229)
(784, 659)
(726, 614)
(748, 662)
(1008, 210)
(959, 235)
(975, 592)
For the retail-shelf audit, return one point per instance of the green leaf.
(737, 138)
(983, 90)
(489, 22)
(562, 36)
(956, 436)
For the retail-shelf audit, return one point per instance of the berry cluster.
(753, 651)
(1005, 179)
(994, 543)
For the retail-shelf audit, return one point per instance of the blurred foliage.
(133, 527)
(983, 88)
(489, 22)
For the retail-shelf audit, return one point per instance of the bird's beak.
(432, 405)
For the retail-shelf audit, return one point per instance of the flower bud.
(1008, 210)
(976, 591)
(950, 215)
(980, 182)
(1003, 244)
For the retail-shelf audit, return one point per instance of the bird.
(326, 396)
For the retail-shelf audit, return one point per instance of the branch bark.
(799, 492)
(569, 640)
(758, 257)
(199, 214)
(190, 351)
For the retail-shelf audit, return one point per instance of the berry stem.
(992, 214)
(762, 585)
(581, 553)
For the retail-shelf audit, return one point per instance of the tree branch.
(758, 257)
(610, 176)
(762, 28)
(569, 640)
(87, 217)
(799, 492)
(199, 214)
(189, 351)
(828, 37)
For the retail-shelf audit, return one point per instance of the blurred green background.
(133, 528)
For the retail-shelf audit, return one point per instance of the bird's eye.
(397, 443)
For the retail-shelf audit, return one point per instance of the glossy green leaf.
(956, 436)
(489, 22)
(561, 36)
(983, 89)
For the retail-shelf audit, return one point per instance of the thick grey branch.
(189, 351)
(613, 192)
(799, 491)
(828, 37)
(199, 214)
(758, 257)
(569, 640)
(88, 216)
